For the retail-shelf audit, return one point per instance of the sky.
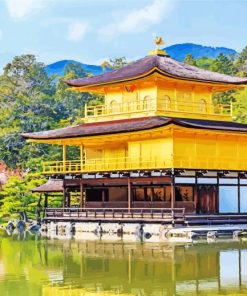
(91, 31)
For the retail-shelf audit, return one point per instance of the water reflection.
(68, 267)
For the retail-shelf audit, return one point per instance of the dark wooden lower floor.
(199, 195)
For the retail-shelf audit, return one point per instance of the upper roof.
(132, 125)
(159, 63)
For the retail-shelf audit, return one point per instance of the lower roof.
(132, 125)
(52, 185)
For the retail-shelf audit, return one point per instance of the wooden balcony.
(179, 108)
(115, 214)
(102, 165)
(131, 164)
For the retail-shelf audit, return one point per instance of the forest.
(30, 101)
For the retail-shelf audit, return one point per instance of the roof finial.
(158, 40)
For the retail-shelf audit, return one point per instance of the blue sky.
(94, 30)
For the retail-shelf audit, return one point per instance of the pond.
(33, 265)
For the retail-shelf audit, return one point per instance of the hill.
(59, 67)
(179, 51)
(176, 51)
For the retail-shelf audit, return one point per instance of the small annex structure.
(159, 144)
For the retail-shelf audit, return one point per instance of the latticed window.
(166, 103)
(114, 106)
(146, 102)
(202, 106)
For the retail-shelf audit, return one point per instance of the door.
(207, 199)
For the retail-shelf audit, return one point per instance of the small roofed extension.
(158, 113)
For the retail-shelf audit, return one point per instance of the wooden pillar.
(64, 195)
(64, 158)
(172, 191)
(239, 205)
(195, 192)
(85, 197)
(39, 200)
(46, 201)
(68, 199)
(81, 194)
(129, 195)
(81, 157)
(103, 196)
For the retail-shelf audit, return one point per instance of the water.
(52, 267)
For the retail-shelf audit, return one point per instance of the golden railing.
(101, 165)
(179, 106)
(121, 164)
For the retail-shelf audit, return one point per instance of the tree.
(29, 94)
(16, 195)
(225, 65)
(242, 58)
(190, 60)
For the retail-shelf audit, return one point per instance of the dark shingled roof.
(165, 64)
(52, 185)
(131, 125)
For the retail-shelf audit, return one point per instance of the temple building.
(158, 143)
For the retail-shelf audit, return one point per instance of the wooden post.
(64, 195)
(103, 196)
(129, 195)
(81, 156)
(172, 191)
(46, 201)
(85, 198)
(68, 199)
(81, 194)
(64, 158)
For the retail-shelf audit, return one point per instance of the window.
(113, 106)
(228, 199)
(162, 194)
(166, 103)
(146, 102)
(202, 107)
(243, 199)
(184, 193)
(139, 194)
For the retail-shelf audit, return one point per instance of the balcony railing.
(162, 106)
(122, 164)
(101, 165)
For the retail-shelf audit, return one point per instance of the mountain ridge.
(175, 51)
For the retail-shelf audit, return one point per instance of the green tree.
(189, 59)
(224, 64)
(118, 62)
(16, 195)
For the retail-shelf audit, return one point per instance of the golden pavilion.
(159, 144)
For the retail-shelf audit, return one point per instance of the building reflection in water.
(70, 267)
(154, 269)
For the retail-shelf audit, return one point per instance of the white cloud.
(20, 9)
(77, 30)
(138, 20)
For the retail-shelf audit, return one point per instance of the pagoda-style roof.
(132, 125)
(157, 63)
(52, 185)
